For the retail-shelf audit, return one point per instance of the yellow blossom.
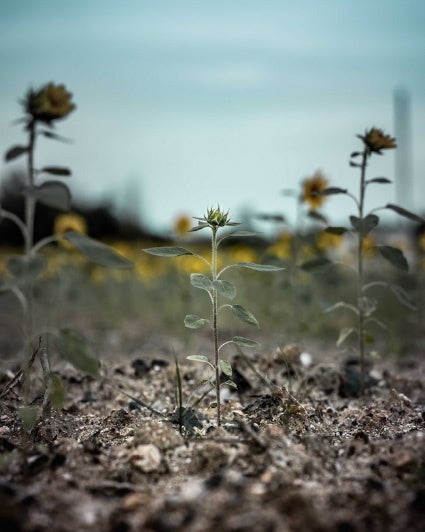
(376, 140)
(369, 246)
(421, 242)
(181, 225)
(242, 253)
(310, 187)
(51, 102)
(326, 240)
(283, 247)
(69, 222)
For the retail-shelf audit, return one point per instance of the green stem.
(29, 289)
(360, 279)
(215, 329)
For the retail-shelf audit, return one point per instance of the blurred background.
(186, 104)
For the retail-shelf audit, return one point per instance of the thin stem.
(17, 221)
(361, 320)
(44, 242)
(29, 225)
(215, 330)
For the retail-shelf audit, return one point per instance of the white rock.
(147, 458)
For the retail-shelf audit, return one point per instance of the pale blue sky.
(185, 104)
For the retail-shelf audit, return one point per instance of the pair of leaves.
(224, 288)
(364, 226)
(192, 321)
(25, 269)
(224, 365)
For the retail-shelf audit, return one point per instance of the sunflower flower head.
(51, 102)
(376, 140)
(181, 225)
(311, 188)
(69, 222)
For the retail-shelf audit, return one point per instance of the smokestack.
(403, 155)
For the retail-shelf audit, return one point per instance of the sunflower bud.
(217, 217)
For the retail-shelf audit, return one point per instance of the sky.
(185, 104)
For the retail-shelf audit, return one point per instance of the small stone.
(146, 458)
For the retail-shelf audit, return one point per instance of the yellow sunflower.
(51, 102)
(69, 222)
(310, 188)
(181, 225)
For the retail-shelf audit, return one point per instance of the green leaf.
(402, 296)
(342, 304)
(312, 264)
(365, 225)
(244, 315)
(229, 383)
(53, 194)
(382, 180)
(405, 213)
(225, 367)
(74, 348)
(167, 251)
(29, 415)
(395, 257)
(225, 288)
(278, 218)
(201, 225)
(54, 136)
(260, 267)
(344, 334)
(56, 170)
(315, 215)
(336, 230)
(201, 281)
(15, 152)
(200, 358)
(25, 269)
(57, 391)
(191, 321)
(241, 233)
(330, 191)
(96, 251)
(244, 342)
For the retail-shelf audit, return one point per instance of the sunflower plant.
(217, 288)
(42, 109)
(362, 224)
(294, 245)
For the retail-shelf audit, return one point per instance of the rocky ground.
(298, 450)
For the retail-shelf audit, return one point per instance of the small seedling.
(216, 287)
(362, 224)
(43, 108)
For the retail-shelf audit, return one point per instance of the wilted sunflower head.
(376, 140)
(49, 103)
(311, 187)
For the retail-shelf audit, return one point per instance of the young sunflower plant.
(43, 108)
(374, 141)
(217, 288)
